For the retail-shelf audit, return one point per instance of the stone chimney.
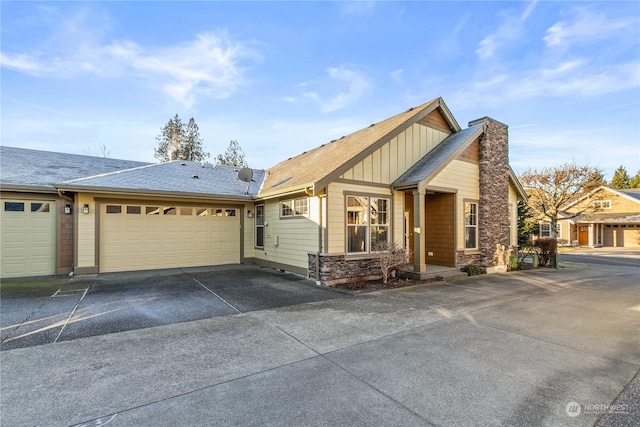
(493, 207)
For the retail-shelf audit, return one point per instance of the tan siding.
(248, 232)
(336, 216)
(619, 204)
(398, 217)
(513, 202)
(376, 167)
(462, 176)
(391, 160)
(288, 240)
(86, 232)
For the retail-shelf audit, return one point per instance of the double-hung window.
(470, 225)
(545, 229)
(259, 226)
(368, 222)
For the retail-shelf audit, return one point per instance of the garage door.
(622, 235)
(27, 237)
(143, 237)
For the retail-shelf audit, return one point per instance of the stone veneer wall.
(337, 268)
(493, 206)
(467, 259)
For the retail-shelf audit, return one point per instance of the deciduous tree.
(554, 187)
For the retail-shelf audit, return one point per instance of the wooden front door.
(583, 234)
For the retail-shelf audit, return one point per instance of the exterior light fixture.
(249, 214)
(67, 209)
(85, 208)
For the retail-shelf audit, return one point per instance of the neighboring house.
(417, 179)
(609, 218)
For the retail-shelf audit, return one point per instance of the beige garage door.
(144, 237)
(27, 237)
(622, 235)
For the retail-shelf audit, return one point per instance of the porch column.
(591, 232)
(419, 231)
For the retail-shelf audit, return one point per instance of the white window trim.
(256, 226)
(474, 226)
(368, 225)
(602, 204)
(292, 207)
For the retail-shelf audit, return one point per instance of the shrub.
(389, 256)
(514, 263)
(547, 247)
(473, 270)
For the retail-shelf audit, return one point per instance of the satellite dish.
(245, 175)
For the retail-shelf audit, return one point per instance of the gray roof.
(176, 177)
(632, 192)
(619, 218)
(38, 170)
(437, 158)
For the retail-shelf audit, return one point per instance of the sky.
(103, 78)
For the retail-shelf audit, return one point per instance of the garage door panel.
(138, 242)
(27, 238)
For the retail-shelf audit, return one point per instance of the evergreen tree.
(191, 147)
(234, 156)
(621, 179)
(635, 181)
(179, 142)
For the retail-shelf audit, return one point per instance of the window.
(470, 225)
(216, 212)
(202, 212)
(367, 223)
(134, 210)
(114, 209)
(169, 210)
(152, 210)
(294, 207)
(545, 229)
(13, 206)
(230, 212)
(602, 204)
(39, 207)
(186, 211)
(260, 226)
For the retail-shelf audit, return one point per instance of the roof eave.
(152, 193)
(28, 188)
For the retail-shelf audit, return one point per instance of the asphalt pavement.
(538, 347)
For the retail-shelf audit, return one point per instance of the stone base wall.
(467, 259)
(334, 269)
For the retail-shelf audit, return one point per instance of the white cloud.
(511, 29)
(396, 76)
(358, 84)
(210, 65)
(585, 26)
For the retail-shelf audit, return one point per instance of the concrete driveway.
(54, 310)
(541, 347)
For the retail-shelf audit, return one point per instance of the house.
(417, 179)
(605, 217)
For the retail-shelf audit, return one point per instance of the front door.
(583, 235)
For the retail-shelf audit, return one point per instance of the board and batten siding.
(288, 240)
(395, 157)
(336, 212)
(462, 176)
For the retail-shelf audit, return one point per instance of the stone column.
(493, 206)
